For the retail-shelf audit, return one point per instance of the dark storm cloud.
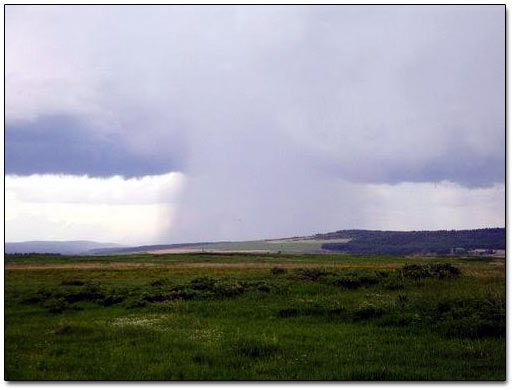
(67, 145)
(386, 94)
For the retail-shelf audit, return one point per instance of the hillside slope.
(415, 242)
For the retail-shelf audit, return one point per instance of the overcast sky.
(162, 124)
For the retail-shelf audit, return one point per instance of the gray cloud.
(275, 110)
(67, 145)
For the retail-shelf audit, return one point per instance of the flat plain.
(208, 316)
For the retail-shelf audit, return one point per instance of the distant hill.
(146, 248)
(62, 247)
(361, 242)
(415, 242)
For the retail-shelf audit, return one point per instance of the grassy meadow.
(254, 317)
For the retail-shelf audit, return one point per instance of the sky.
(167, 124)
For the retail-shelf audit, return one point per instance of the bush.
(264, 288)
(39, 297)
(401, 300)
(227, 290)
(353, 282)
(383, 274)
(203, 283)
(287, 313)
(159, 282)
(414, 271)
(152, 298)
(255, 349)
(135, 303)
(470, 318)
(62, 328)
(311, 310)
(112, 300)
(437, 270)
(72, 283)
(278, 270)
(393, 285)
(311, 273)
(368, 311)
(56, 305)
(444, 271)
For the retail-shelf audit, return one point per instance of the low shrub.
(203, 283)
(110, 300)
(401, 300)
(444, 271)
(470, 318)
(383, 274)
(264, 288)
(278, 270)
(152, 298)
(311, 273)
(311, 310)
(393, 285)
(414, 271)
(72, 283)
(352, 282)
(255, 349)
(287, 313)
(62, 328)
(368, 311)
(39, 297)
(159, 282)
(437, 270)
(90, 294)
(56, 305)
(227, 289)
(135, 303)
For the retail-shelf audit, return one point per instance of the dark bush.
(337, 312)
(353, 282)
(401, 300)
(398, 318)
(414, 271)
(311, 273)
(39, 297)
(383, 274)
(278, 270)
(311, 310)
(255, 349)
(156, 298)
(287, 313)
(393, 285)
(89, 293)
(227, 290)
(56, 305)
(264, 288)
(63, 328)
(203, 283)
(159, 282)
(470, 317)
(135, 303)
(201, 358)
(368, 311)
(444, 271)
(72, 283)
(437, 270)
(184, 293)
(112, 300)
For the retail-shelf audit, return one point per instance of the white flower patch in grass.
(153, 321)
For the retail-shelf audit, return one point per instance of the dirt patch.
(196, 250)
(191, 265)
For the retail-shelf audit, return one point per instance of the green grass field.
(254, 317)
